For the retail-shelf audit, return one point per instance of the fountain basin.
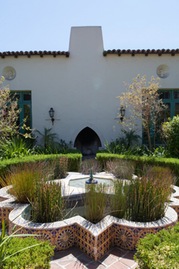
(75, 183)
(81, 183)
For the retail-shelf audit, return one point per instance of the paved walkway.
(73, 258)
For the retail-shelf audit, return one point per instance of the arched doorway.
(88, 142)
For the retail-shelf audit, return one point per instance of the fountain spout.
(91, 180)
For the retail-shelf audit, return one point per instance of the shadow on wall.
(88, 142)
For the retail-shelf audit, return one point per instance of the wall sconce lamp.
(122, 112)
(51, 114)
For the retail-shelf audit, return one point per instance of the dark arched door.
(88, 142)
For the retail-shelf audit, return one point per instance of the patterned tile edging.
(94, 239)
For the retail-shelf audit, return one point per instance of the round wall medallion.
(9, 72)
(163, 71)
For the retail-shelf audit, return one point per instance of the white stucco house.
(82, 84)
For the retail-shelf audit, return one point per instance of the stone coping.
(16, 217)
(174, 200)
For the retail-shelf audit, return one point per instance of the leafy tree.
(12, 143)
(143, 103)
(9, 112)
(170, 131)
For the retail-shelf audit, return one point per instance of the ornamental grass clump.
(48, 204)
(148, 195)
(118, 200)
(23, 183)
(23, 179)
(89, 165)
(95, 202)
(121, 168)
(58, 168)
(30, 184)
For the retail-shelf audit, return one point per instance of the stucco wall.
(83, 88)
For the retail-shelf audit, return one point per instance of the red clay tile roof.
(30, 53)
(159, 52)
(118, 52)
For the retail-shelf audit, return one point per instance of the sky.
(27, 25)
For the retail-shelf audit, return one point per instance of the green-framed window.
(170, 98)
(25, 106)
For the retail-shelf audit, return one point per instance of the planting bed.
(93, 239)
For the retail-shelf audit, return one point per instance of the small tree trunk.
(149, 138)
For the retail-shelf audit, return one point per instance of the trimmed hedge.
(140, 162)
(74, 160)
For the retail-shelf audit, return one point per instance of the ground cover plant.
(160, 250)
(18, 251)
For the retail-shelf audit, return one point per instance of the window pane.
(165, 95)
(27, 96)
(177, 109)
(165, 114)
(167, 111)
(27, 114)
(176, 94)
(17, 96)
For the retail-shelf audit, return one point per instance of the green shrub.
(37, 257)
(19, 251)
(14, 147)
(50, 144)
(160, 250)
(170, 131)
(124, 145)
